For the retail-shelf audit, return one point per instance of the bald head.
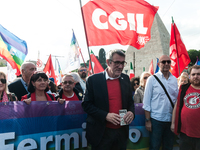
(164, 63)
(164, 57)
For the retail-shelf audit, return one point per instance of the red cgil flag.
(95, 64)
(151, 69)
(49, 70)
(127, 22)
(178, 53)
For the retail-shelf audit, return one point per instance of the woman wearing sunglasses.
(38, 88)
(5, 97)
(139, 92)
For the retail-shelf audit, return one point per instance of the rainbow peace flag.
(12, 49)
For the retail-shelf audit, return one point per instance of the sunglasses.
(65, 82)
(145, 78)
(136, 84)
(164, 61)
(3, 81)
(83, 70)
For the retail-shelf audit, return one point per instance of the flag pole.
(86, 35)
(80, 50)
(176, 46)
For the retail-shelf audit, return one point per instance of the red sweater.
(74, 98)
(115, 99)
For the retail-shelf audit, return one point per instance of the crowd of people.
(35, 85)
(171, 105)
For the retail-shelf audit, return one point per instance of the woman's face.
(145, 78)
(2, 83)
(183, 81)
(136, 84)
(40, 84)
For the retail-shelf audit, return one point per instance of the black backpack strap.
(183, 92)
(165, 90)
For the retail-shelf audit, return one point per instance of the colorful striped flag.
(12, 49)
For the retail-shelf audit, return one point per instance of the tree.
(102, 58)
(193, 54)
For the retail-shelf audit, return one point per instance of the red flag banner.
(49, 70)
(151, 69)
(95, 64)
(178, 53)
(127, 22)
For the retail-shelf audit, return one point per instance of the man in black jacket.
(106, 94)
(20, 86)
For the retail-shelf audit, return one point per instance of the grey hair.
(23, 66)
(115, 51)
(142, 78)
(76, 76)
(68, 75)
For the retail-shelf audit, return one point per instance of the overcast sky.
(46, 25)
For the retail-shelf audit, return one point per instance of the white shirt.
(83, 84)
(156, 101)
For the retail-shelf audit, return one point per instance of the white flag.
(73, 61)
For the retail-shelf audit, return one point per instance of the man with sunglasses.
(68, 92)
(158, 108)
(20, 86)
(82, 71)
(107, 93)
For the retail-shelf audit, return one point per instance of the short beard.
(83, 76)
(195, 83)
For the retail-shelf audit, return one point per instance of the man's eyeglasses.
(65, 82)
(164, 61)
(83, 70)
(3, 81)
(117, 63)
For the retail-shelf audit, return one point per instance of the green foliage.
(2, 64)
(193, 54)
(102, 58)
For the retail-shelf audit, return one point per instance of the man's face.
(195, 77)
(29, 70)
(68, 84)
(116, 65)
(82, 72)
(164, 64)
